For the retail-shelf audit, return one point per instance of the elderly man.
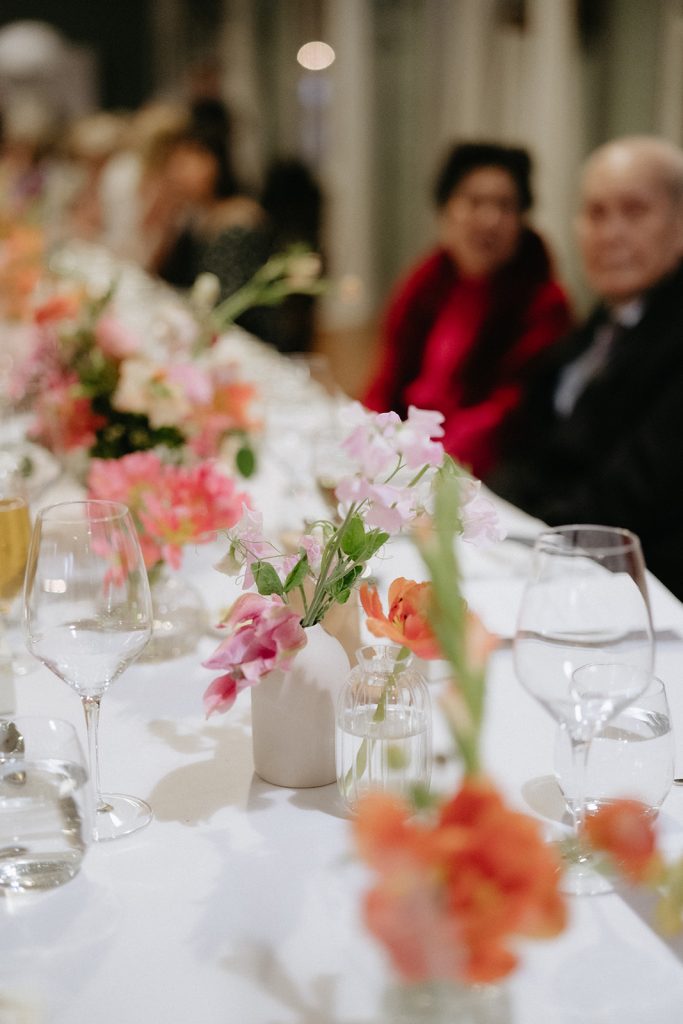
(599, 434)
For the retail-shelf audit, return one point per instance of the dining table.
(242, 902)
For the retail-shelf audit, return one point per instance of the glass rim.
(58, 511)
(373, 651)
(630, 540)
(13, 501)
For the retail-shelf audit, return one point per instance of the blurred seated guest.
(596, 438)
(92, 140)
(292, 200)
(138, 211)
(219, 229)
(463, 328)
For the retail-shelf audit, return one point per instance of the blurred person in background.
(597, 436)
(218, 228)
(464, 327)
(91, 142)
(138, 211)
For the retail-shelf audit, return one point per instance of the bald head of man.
(630, 221)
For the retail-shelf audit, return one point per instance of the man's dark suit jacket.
(617, 459)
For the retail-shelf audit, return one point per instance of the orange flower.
(407, 622)
(625, 831)
(453, 894)
(63, 306)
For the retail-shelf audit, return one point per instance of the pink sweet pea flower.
(415, 438)
(373, 454)
(480, 522)
(264, 634)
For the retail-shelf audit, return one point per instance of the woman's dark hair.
(210, 128)
(471, 156)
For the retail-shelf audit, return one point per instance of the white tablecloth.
(241, 901)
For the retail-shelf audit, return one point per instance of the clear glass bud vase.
(180, 616)
(384, 725)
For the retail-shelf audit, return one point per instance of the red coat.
(464, 347)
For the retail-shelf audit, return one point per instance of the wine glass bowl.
(87, 616)
(583, 647)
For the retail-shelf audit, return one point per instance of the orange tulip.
(407, 622)
(625, 831)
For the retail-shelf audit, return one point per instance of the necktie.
(575, 377)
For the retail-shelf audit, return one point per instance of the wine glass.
(585, 604)
(87, 616)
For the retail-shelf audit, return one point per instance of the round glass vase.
(383, 737)
(180, 616)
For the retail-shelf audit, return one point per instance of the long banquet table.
(241, 901)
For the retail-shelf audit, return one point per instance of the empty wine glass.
(87, 616)
(585, 604)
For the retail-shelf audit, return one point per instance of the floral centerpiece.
(93, 391)
(458, 883)
(172, 506)
(392, 466)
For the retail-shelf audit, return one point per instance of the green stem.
(318, 603)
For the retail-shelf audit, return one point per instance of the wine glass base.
(581, 879)
(119, 815)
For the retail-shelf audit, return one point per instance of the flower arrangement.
(457, 884)
(94, 391)
(171, 505)
(393, 464)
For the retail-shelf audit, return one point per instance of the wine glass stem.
(580, 751)
(91, 707)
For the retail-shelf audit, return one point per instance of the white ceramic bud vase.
(293, 715)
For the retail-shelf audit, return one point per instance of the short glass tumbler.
(383, 735)
(631, 756)
(45, 803)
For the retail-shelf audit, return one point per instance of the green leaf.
(353, 538)
(374, 540)
(266, 579)
(297, 575)
(245, 461)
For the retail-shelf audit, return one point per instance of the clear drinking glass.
(585, 603)
(632, 756)
(45, 804)
(383, 735)
(87, 616)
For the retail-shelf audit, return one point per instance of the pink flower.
(370, 450)
(389, 507)
(115, 340)
(264, 634)
(480, 521)
(172, 505)
(415, 438)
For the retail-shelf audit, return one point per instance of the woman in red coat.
(466, 324)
